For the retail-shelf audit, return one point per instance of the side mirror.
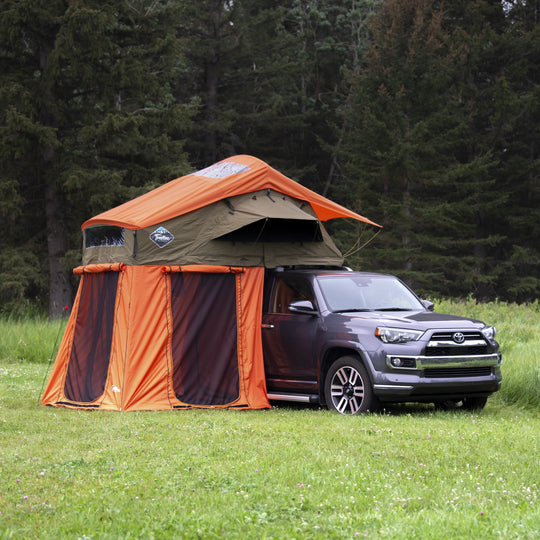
(430, 306)
(304, 307)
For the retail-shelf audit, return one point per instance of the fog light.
(402, 363)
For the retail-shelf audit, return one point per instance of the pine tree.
(517, 116)
(398, 145)
(299, 57)
(87, 120)
(423, 150)
(209, 33)
(270, 79)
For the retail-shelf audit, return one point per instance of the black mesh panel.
(89, 359)
(204, 341)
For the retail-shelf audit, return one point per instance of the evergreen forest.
(421, 115)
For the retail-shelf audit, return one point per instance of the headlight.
(489, 332)
(397, 335)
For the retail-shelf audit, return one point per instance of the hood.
(418, 320)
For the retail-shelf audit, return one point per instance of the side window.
(287, 290)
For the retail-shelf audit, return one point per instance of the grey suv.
(354, 340)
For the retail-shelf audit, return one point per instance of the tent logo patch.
(161, 237)
(222, 170)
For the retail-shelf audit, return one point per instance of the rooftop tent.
(264, 228)
(238, 211)
(236, 175)
(168, 310)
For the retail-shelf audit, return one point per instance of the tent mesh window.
(104, 236)
(204, 339)
(90, 353)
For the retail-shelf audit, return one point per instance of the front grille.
(447, 335)
(443, 344)
(464, 350)
(444, 373)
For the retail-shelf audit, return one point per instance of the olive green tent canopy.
(237, 212)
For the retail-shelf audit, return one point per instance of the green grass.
(289, 472)
(518, 328)
(29, 340)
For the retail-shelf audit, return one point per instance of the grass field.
(288, 472)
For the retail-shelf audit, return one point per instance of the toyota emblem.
(458, 337)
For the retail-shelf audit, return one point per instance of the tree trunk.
(59, 287)
(405, 238)
(211, 106)
(212, 85)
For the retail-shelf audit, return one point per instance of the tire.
(466, 404)
(474, 403)
(347, 388)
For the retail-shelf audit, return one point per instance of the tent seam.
(127, 345)
(168, 348)
(239, 335)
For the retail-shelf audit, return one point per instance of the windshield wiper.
(351, 310)
(393, 309)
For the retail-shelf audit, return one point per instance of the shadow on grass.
(390, 409)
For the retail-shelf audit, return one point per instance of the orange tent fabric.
(118, 349)
(236, 175)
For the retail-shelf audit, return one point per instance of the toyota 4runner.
(354, 340)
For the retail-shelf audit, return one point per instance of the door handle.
(264, 325)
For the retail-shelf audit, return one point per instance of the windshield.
(367, 293)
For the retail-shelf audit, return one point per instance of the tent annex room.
(169, 305)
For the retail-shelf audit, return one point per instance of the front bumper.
(434, 378)
(448, 362)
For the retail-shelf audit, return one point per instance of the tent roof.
(232, 176)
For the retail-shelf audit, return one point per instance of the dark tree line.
(445, 145)
(423, 115)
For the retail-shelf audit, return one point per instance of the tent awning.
(233, 176)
